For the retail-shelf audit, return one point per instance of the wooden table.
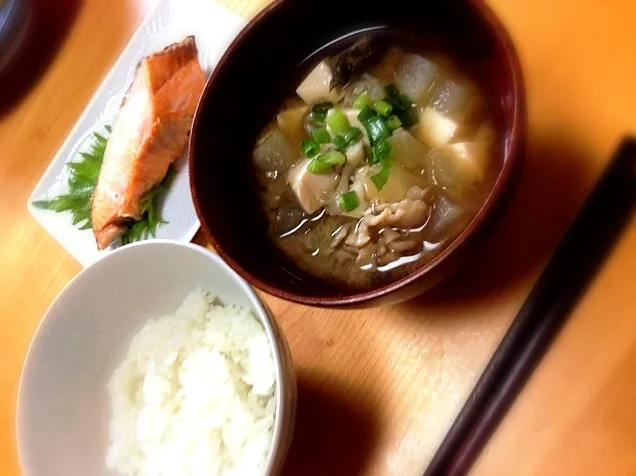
(379, 388)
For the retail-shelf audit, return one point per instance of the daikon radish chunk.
(274, 153)
(290, 122)
(445, 219)
(407, 150)
(399, 182)
(435, 129)
(288, 217)
(460, 164)
(415, 75)
(451, 98)
(316, 86)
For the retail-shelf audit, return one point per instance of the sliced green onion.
(352, 135)
(393, 123)
(348, 201)
(337, 121)
(322, 107)
(363, 100)
(321, 136)
(402, 106)
(319, 112)
(340, 142)
(382, 177)
(333, 158)
(310, 148)
(318, 118)
(380, 152)
(365, 114)
(391, 91)
(318, 167)
(399, 100)
(383, 108)
(348, 137)
(324, 162)
(404, 101)
(410, 118)
(377, 129)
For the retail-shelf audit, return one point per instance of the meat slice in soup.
(380, 161)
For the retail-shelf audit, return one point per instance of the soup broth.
(381, 157)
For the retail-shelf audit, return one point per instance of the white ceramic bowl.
(63, 405)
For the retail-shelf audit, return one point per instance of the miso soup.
(378, 161)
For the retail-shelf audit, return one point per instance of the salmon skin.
(151, 131)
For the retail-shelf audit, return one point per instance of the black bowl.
(263, 66)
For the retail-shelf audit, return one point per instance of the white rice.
(195, 394)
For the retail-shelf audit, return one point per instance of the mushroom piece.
(389, 235)
(357, 186)
(404, 244)
(339, 235)
(355, 154)
(366, 256)
(388, 258)
(342, 186)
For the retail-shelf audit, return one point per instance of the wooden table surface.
(378, 389)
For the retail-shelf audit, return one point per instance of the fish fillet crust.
(151, 131)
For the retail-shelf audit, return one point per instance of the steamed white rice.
(195, 394)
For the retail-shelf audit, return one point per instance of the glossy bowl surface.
(15, 16)
(263, 66)
(63, 405)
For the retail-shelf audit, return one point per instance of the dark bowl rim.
(517, 131)
(14, 30)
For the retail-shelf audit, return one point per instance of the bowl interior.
(263, 67)
(63, 409)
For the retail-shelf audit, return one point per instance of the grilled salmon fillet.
(151, 131)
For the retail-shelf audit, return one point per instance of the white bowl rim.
(264, 316)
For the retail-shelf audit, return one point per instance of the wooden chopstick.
(586, 244)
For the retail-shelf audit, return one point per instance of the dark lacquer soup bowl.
(264, 65)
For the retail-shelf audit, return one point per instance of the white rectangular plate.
(214, 28)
